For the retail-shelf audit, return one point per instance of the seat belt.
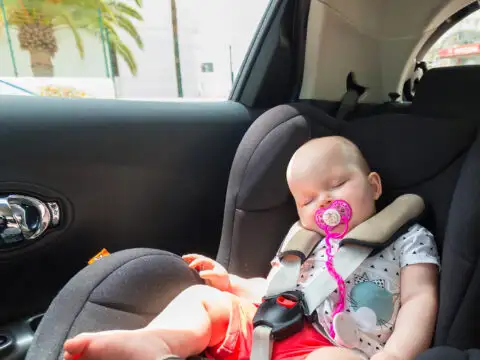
(350, 99)
(273, 322)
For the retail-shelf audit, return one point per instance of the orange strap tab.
(103, 253)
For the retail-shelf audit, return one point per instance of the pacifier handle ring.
(343, 209)
(337, 235)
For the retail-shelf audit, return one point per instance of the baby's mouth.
(334, 219)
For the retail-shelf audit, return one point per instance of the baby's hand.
(209, 270)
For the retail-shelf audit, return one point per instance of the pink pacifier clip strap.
(344, 212)
(340, 282)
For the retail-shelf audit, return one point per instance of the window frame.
(447, 25)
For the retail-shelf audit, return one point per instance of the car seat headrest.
(406, 150)
(414, 154)
(450, 92)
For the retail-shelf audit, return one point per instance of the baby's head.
(332, 168)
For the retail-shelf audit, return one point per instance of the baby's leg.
(194, 320)
(333, 353)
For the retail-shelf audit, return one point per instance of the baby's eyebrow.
(330, 176)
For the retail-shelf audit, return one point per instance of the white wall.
(156, 75)
(208, 31)
(343, 36)
(377, 39)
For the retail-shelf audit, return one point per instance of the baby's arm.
(416, 319)
(217, 276)
(252, 289)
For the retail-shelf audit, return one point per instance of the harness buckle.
(283, 313)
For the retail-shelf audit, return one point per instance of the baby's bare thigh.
(334, 353)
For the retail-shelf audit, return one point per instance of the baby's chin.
(339, 229)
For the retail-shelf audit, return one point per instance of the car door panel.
(125, 174)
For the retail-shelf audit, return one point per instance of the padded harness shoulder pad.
(375, 232)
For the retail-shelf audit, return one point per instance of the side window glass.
(460, 45)
(125, 49)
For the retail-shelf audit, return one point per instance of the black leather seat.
(435, 157)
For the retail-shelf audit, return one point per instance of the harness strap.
(299, 242)
(262, 343)
(347, 260)
(284, 277)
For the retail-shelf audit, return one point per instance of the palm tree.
(37, 20)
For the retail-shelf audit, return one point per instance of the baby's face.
(316, 184)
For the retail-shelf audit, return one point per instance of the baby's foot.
(116, 345)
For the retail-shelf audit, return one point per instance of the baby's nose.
(324, 203)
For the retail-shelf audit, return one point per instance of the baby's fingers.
(201, 264)
(215, 279)
(208, 274)
(190, 257)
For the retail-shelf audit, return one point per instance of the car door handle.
(25, 218)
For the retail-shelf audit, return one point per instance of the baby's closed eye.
(307, 201)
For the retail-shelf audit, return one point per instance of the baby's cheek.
(308, 222)
(362, 213)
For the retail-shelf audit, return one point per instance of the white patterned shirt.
(375, 285)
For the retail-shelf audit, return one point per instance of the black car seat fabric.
(123, 291)
(436, 158)
(449, 353)
(448, 92)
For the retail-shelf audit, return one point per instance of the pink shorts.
(237, 344)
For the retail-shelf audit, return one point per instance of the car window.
(460, 45)
(125, 49)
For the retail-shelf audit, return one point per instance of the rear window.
(460, 45)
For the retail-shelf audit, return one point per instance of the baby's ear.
(376, 184)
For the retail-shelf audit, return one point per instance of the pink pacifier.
(327, 219)
(337, 213)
